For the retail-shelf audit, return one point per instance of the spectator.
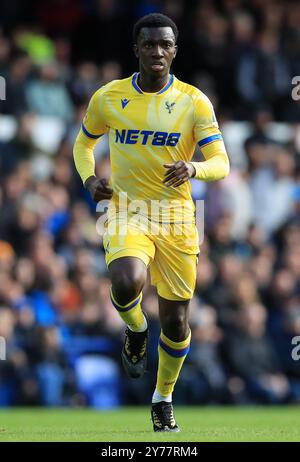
(17, 79)
(47, 96)
(252, 357)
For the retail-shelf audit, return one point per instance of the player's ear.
(135, 50)
(175, 51)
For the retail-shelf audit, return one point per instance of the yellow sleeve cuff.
(83, 153)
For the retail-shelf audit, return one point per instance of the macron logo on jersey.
(147, 137)
(124, 102)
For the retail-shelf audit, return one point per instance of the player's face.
(156, 50)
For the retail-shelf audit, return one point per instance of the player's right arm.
(92, 128)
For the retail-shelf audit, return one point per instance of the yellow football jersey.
(147, 130)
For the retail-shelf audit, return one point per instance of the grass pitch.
(133, 424)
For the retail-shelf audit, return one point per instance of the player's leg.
(128, 252)
(173, 347)
(128, 276)
(173, 272)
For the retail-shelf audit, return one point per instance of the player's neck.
(151, 84)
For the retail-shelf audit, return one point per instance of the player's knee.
(175, 326)
(127, 285)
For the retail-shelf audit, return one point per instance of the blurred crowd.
(63, 336)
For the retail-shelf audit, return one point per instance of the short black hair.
(154, 20)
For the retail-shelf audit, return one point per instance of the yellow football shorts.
(170, 251)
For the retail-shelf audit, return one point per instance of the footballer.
(154, 122)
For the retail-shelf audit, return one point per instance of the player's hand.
(98, 188)
(178, 173)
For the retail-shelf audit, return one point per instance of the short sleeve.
(94, 125)
(206, 128)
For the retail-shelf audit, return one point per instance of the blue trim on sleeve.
(209, 139)
(89, 134)
(167, 86)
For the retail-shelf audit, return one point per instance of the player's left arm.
(209, 138)
(206, 132)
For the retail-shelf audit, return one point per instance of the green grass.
(133, 424)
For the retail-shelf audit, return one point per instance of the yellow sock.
(171, 356)
(131, 313)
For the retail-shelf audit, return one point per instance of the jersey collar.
(139, 90)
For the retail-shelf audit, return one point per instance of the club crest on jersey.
(170, 107)
(124, 102)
